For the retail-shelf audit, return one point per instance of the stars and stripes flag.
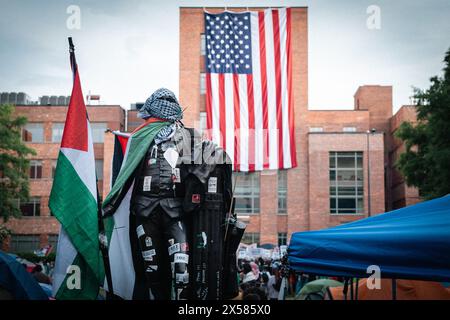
(249, 102)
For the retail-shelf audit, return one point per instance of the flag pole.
(103, 242)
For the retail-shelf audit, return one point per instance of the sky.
(126, 49)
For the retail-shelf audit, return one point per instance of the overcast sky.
(127, 49)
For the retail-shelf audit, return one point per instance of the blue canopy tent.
(408, 243)
(17, 281)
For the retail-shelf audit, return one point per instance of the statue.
(176, 189)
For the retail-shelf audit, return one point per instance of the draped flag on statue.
(73, 201)
(249, 101)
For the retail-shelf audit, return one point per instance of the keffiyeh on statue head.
(164, 105)
(161, 104)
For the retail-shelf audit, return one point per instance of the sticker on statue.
(196, 198)
(147, 183)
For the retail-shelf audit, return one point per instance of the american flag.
(249, 101)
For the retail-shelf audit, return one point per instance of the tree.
(14, 163)
(426, 162)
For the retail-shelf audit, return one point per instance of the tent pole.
(345, 290)
(394, 289)
(356, 289)
(352, 297)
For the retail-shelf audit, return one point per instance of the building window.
(282, 238)
(349, 129)
(98, 131)
(282, 192)
(99, 169)
(35, 169)
(24, 243)
(53, 241)
(33, 132)
(250, 237)
(202, 83)
(346, 183)
(246, 193)
(31, 208)
(54, 162)
(202, 124)
(202, 44)
(315, 129)
(57, 132)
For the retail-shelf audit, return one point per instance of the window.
(57, 132)
(202, 123)
(202, 44)
(246, 193)
(99, 169)
(24, 243)
(31, 208)
(349, 129)
(202, 83)
(250, 237)
(98, 131)
(315, 129)
(33, 132)
(346, 183)
(35, 169)
(282, 192)
(54, 162)
(53, 241)
(282, 238)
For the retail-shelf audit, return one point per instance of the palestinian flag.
(126, 282)
(74, 202)
(120, 147)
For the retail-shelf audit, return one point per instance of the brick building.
(345, 157)
(43, 133)
(344, 166)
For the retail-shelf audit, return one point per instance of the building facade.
(345, 157)
(43, 133)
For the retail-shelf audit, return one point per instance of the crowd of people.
(260, 280)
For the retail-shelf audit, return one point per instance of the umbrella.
(17, 281)
(317, 289)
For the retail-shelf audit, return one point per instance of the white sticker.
(148, 254)
(148, 242)
(181, 258)
(174, 249)
(171, 155)
(152, 268)
(171, 241)
(147, 183)
(212, 185)
(182, 277)
(140, 231)
(176, 175)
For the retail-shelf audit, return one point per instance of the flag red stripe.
(208, 106)
(251, 124)
(237, 122)
(75, 134)
(290, 93)
(262, 48)
(222, 111)
(276, 35)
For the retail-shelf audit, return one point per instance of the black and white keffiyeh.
(164, 105)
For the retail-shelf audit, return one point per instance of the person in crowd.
(248, 274)
(40, 276)
(274, 283)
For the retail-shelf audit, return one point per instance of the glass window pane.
(98, 131)
(33, 132)
(99, 169)
(346, 162)
(57, 132)
(346, 183)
